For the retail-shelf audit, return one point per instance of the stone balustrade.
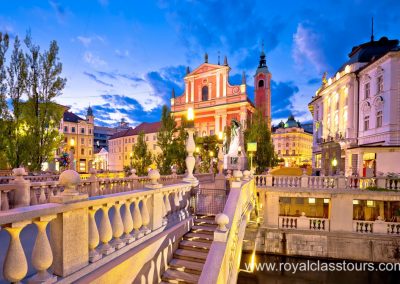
(376, 227)
(223, 260)
(84, 232)
(326, 182)
(303, 223)
(40, 192)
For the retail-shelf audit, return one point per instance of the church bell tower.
(262, 85)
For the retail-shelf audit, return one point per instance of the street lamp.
(190, 148)
(72, 158)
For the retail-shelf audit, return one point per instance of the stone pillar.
(22, 192)
(157, 207)
(192, 90)
(217, 126)
(218, 84)
(271, 211)
(69, 241)
(304, 179)
(268, 180)
(341, 213)
(303, 223)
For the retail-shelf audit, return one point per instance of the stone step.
(203, 230)
(175, 276)
(196, 246)
(186, 266)
(191, 255)
(198, 237)
(205, 217)
(205, 222)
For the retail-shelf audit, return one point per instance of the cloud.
(162, 82)
(87, 40)
(122, 53)
(282, 99)
(306, 49)
(61, 12)
(93, 59)
(94, 78)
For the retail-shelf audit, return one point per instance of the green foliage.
(207, 145)
(141, 156)
(171, 140)
(30, 127)
(258, 131)
(4, 115)
(375, 188)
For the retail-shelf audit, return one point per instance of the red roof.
(145, 127)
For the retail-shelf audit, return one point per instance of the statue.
(324, 81)
(235, 157)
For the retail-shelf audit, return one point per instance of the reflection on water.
(303, 277)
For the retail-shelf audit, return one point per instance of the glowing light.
(72, 142)
(347, 69)
(370, 203)
(220, 135)
(197, 150)
(211, 154)
(311, 200)
(329, 81)
(356, 202)
(334, 162)
(337, 76)
(190, 114)
(252, 261)
(326, 200)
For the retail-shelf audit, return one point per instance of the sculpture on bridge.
(235, 157)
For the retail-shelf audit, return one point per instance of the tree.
(141, 156)
(258, 131)
(4, 41)
(42, 113)
(208, 146)
(165, 140)
(179, 149)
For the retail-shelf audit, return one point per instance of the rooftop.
(145, 127)
(71, 117)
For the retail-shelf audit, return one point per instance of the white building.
(356, 113)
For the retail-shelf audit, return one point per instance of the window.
(82, 151)
(261, 83)
(366, 90)
(73, 129)
(366, 122)
(294, 144)
(287, 152)
(90, 152)
(204, 93)
(90, 131)
(287, 144)
(379, 86)
(379, 119)
(279, 152)
(126, 149)
(83, 141)
(65, 129)
(83, 130)
(293, 152)
(133, 140)
(89, 141)
(147, 138)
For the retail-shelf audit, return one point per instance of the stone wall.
(376, 248)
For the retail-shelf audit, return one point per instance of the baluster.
(93, 235)
(42, 197)
(4, 201)
(117, 226)
(105, 231)
(145, 216)
(15, 265)
(128, 223)
(163, 210)
(34, 200)
(176, 205)
(42, 256)
(137, 219)
(167, 206)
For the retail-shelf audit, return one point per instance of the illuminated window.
(204, 93)
(366, 91)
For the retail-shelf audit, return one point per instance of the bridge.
(160, 229)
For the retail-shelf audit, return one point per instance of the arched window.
(204, 93)
(261, 83)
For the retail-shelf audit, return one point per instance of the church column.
(187, 92)
(217, 119)
(224, 86)
(192, 90)
(218, 79)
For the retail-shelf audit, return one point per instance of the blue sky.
(123, 57)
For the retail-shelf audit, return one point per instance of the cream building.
(78, 137)
(356, 113)
(292, 143)
(121, 144)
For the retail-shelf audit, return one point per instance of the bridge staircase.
(188, 260)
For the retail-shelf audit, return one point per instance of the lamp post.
(71, 151)
(190, 148)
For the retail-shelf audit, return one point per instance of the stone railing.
(223, 260)
(326, 182)
(21, 192)
(376, 227)
(86, 231)
(303, 223)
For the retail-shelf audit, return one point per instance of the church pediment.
(206, 68)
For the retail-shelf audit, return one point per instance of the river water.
(324, 276)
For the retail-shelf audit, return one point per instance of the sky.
(124, 57)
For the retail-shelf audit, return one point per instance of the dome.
(291, 122)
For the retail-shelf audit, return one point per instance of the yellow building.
(292, 143)
(78, 138)
(120, 145)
